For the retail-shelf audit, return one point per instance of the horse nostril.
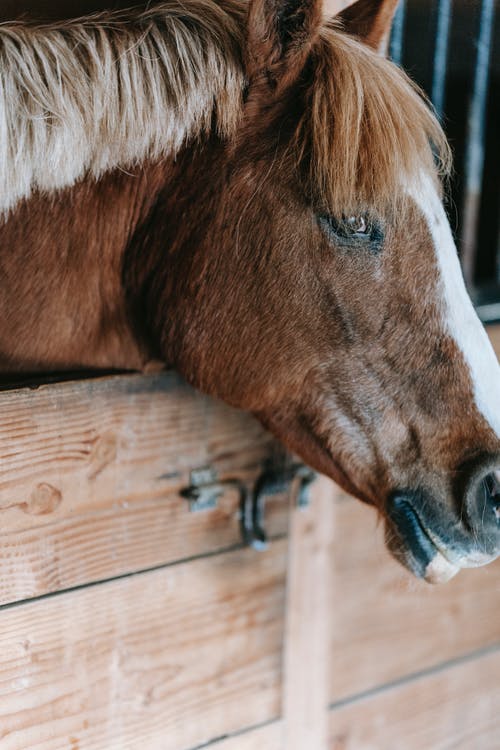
(491, 490)
(481, 508)
(492, 485)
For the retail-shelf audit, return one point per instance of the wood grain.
(453, 709)
(90, 474)
(388, 624)
(269, 737)
(165, 660)
(309, 621)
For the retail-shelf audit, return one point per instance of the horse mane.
(366, 131)
(114, 89)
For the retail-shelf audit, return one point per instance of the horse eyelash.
(337, 232)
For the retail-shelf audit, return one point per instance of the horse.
(253, 194)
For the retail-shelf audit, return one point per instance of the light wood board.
(452, 709)
(269, 737)
(309, 620)
(388, 624)
(90, 475)
(164, 660)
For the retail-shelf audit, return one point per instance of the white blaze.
(461, 319)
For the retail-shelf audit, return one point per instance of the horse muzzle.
(434, 541)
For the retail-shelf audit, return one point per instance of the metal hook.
(271, 482)
(205, 489)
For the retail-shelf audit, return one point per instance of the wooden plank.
(269, 737)
(91, 472)
(165, 660)
(308, 621)
(387, 624)
(454, 708)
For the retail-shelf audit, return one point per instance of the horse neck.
(167, 263)
(62, 300)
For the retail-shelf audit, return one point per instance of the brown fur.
(213, 259)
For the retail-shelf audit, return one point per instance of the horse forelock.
(367, 130)
(112, 90)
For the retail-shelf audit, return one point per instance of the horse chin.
(440, 569)
(413, 545)
(435, 569)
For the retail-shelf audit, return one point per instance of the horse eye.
(352, 231)
(357, 225)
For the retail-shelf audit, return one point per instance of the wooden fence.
(129, 621)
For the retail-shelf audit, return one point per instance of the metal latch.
(205, 489)
(273, 482)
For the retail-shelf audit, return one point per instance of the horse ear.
(371, 21)
(280, 34)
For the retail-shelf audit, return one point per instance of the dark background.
(419, 43)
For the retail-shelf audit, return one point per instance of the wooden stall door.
(128, 621)
(407, 665)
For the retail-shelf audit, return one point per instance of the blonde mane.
(109, 91)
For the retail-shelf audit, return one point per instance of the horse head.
(266, 194)
(315, 283)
